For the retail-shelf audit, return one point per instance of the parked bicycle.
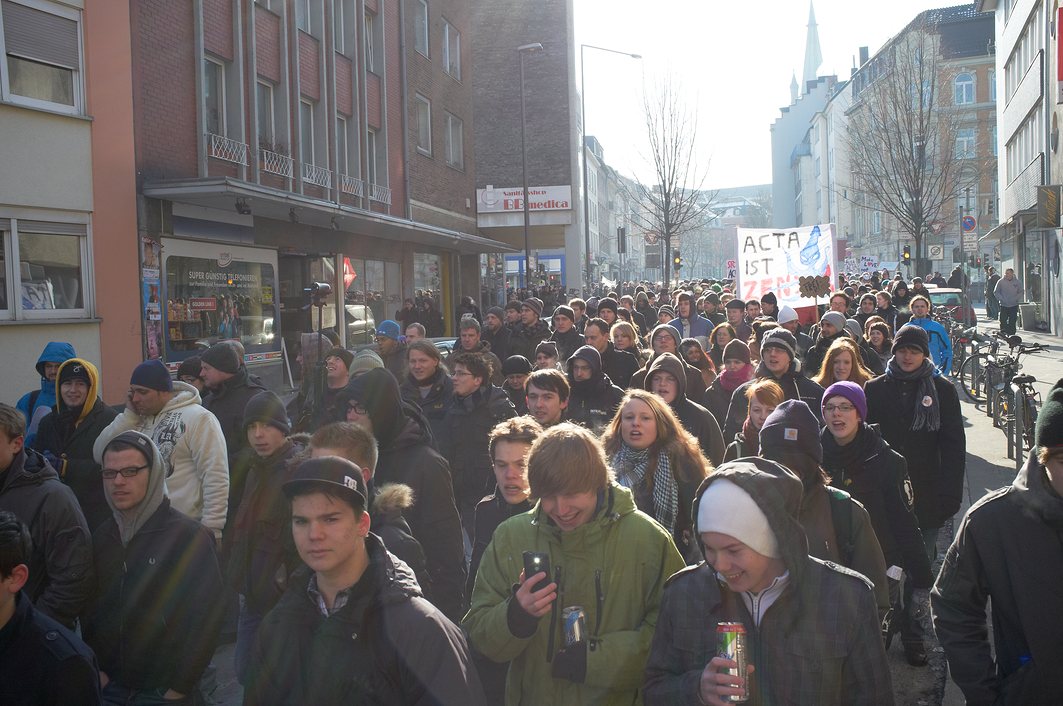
(1017, 414)
(976, 372)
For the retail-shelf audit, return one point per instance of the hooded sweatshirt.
(695, 419)
(192, 446)
(69, 433)
(592, 403)
(44, 400)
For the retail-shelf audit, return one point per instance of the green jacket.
(615, 567)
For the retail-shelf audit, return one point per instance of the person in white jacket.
(189, 438)
(1009, 293)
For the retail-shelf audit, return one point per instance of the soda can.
(574, 621)
(731, 643)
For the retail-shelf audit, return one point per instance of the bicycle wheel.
(1029, 419)
(972, 378)
(1001, 409)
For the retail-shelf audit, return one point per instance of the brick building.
(281, 143)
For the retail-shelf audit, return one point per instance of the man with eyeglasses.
(155, 621)
(60, 568)
(190, 440)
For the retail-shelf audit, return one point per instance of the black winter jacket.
(389, 503)
(468, 423)
(518, 397)
(567, 343)
(61, 576)
(695, 383)
(44, 664)
(1007, 550)
(524, 339)
(387, 645)
(794, 385)
(498, 340)
(620, 366)
(936, 460)
(877, 476)
(492, 511)
(158, 608)
(591, 403)
(72, 443)
(433, 405)
(695, 419)
(227, 403)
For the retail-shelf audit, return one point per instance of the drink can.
(574, 621)
(732, 644)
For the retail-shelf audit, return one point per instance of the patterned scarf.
(631, 465)
(927, 415)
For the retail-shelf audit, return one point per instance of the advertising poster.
(151, 296)
(774, 260)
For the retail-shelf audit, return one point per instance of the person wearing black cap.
(191, 371)
(769, 305)
(593, 399)
(408, 455)
(607, 310)
(1006, 551)
(155, 622)
(495, 333)
(812, 625)
(565, 335)
(530, 331)
(257, 545)
(516, 370)
(353, 626)
(60, 570)
(918, 413)
(189, 438)
(736, 313)
(778, 361)
(65, 437)
(229, 387)
(42, 663)
(710, 309)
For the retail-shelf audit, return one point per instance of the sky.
(733, 62)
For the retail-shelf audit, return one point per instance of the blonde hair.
(567, 459)
(765, 391)
(627, 329)
(672, 438)
(859, 374)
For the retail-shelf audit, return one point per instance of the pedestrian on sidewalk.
(1009, 293)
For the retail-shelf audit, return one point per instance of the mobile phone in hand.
(534, 563)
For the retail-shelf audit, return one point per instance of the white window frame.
(222, 117)
(963, 89)
(876, 222)
(13, 275)
(370, 21)
(303, 16)
(422, 35)
(338, 34)
(342, 148)
(966, 143)
(450, 120)
(451, 56)
(420, 101)
(305, 124)
(78, 72)
(992, 77)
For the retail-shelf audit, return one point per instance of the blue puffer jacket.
(54, 352)
(940, 343)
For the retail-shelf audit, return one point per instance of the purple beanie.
(850, 391)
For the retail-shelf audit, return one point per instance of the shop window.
(42, 269)
(373, 293)
(43, 55)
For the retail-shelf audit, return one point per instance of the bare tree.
(901, 134)
(676, 202)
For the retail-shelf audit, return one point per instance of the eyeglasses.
(460, 373)
(357, 408)
(843, 408)
(111, 473)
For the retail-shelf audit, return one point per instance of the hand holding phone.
(535, 563)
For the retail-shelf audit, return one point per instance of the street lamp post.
(524, 50)
(583, 147)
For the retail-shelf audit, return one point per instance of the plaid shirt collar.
(319, 600)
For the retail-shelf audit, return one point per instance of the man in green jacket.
(605, 556)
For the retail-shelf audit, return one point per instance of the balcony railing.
(221, 147)
(352, 185)
(313, 174)
(276, 163)
(380, 193)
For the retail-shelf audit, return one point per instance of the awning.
(266, 202)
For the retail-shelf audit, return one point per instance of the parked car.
(361, 327)
(956, 301)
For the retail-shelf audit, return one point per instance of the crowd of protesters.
(673, 459)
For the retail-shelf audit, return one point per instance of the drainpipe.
(405, 112)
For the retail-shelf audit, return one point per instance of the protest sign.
(773, 260)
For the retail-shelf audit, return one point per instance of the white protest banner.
(772, 260)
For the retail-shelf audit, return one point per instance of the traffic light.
(677, 259)
(908, 253)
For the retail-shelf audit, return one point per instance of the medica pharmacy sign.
(511, 200)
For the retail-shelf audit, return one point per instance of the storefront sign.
(495, 199)
(203, 303)
(774, 260)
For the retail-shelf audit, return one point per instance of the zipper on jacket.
(599, 597)
(553, 616)
(121, 622)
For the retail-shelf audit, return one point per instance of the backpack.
(841, 515)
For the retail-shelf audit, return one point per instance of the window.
(302, 15)
(214, 96)
(451, 50)
(420, 27)
(370, 41)
(338, 26)
(993, 140)
(992, 85)
(42, 66)
(42, 268)
(963, 87)
(455, 142)
(371, 156)
(306, 131)
(965, 143)
(266, 127)
(343, 165)
(424, 124)
(876, 222)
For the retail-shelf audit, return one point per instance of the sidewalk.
(988, 466)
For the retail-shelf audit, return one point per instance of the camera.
(319, 292)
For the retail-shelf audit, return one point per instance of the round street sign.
(968, 223)
(936, 227)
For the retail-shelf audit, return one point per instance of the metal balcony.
(276, 163)
(379, 193)
(221, 147)
(352, 185)
(320, 176)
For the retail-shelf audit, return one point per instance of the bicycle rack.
(1013, 425)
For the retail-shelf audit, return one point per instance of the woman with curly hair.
(764, 396)
(695, 355)
(718, 340)
(842, 362)
(659, 460)
(880, 338)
